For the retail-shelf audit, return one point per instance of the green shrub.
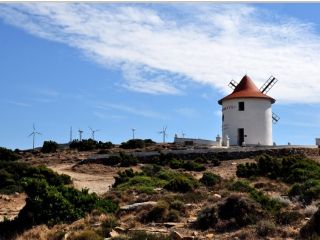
(8, 155)
(175, 163)
(207, 218)
(215, 161)
(210, 179)
(137, 143)
(112, 160)
(242, 209)
(202, 160)
(180, 184)
(265, 228)
(178, 205)
(193, 166)
(139, 235)
(247, 170)
(49, 147)
(127, 160)
(104, 145)
(307, 191)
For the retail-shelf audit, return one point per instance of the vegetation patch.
(137, 143)
(303, 173)
(210, 179)
(89, 144)
(49, 147)
(8, 155)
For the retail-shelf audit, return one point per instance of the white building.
(247, 115)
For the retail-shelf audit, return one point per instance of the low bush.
(210, 179)
(140, 235)
(158, 213)
(207, 218)
(288, 217)
(49, 147)
(137, 143)
(12, 175)
(265, 228)
(89, 144)
(193, 166)
(306, 191)
(247, 170)
(240, 208)
(108, 224)
(181, 184)
(127, 160)
(8, 155)
(179, 206)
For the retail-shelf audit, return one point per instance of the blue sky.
(115, 67)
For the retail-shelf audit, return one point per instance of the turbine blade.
(30, 134)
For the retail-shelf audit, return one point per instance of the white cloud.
(159, 50)
(187, 112)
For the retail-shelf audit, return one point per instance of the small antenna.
(133, 130)
(164, 134)
(93, 132)
(80, 134)
(33, 134)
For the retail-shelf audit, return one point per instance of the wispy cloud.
(160, 50)
(20, 104)
(132, 110)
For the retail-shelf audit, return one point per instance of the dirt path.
(98, 182)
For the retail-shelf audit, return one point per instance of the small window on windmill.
(241, 106)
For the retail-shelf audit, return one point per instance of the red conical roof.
(246, 89)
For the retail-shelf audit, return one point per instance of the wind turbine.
(34, 133)
(80, 134)
(183, 134)
(71, 134)
(93, 131)
(164, 133)
(133, 130)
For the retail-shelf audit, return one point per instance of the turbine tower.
(164, 134)
(80, 134)
(133, 130)
(93, 131)
(33, 134)
(71, 134)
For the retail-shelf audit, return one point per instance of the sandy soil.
(96, 182)
(10, 205)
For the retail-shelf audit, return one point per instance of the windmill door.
(240, 136)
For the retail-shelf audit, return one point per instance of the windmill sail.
(233, 84)
(268, 85)
(275, 118)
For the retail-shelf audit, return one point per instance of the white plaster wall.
(256, 120)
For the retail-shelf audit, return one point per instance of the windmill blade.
(266, 87)
(38, 133)
(275, 118)
(232, 84)
(165, 129)
(34, 128)
(30, 134)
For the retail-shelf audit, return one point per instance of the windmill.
(164, 133)
(93, 132)
(33, 134)
(133, 130)
(265, 88)
(80, 134)
(183, 134)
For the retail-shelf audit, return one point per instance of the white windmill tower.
(33, 134)
(246, 113)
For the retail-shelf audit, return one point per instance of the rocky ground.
(99, 179)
